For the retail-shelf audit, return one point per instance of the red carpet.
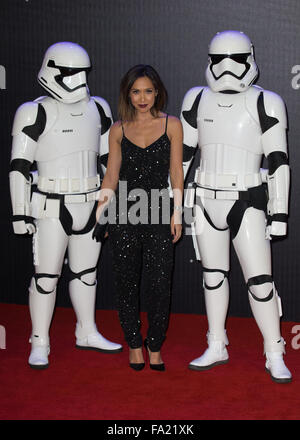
(86, 385)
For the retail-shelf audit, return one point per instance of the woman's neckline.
(152, 143)
(148, 146)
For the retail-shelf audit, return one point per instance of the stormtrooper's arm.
(106, 209)
(29, 122)
(106, 122)
(188, 117)
(273, 120)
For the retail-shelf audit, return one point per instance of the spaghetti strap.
(122, 128)
(166, 123)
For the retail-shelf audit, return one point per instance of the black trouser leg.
(158, 263)
(127, 257)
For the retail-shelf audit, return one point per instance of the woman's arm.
(111, 178)
(175, 133)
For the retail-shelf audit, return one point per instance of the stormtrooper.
(235, 125)
(62, 134)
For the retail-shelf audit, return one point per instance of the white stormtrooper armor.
(62, 134)
(235, 124)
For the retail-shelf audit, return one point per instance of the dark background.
(173, 36)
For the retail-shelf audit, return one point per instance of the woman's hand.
(176, 226)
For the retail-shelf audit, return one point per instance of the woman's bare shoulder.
(174, 120)
(174, 125)
(116, 126)
(116, 129)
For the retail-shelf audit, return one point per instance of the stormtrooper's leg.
(254, 254)
(83, 254)
(214, 248)
(49, 246)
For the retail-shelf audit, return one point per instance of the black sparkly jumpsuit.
(144, 247)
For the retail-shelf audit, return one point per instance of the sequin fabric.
(143, 248)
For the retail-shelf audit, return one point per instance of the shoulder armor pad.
(104, 112)
(25, 115)
(42, 99)
(253, 92)
(257, 87)
(251, 96)
(30, 119)
(191, 95)
(104, 104)
(271, 109)
(190, 105)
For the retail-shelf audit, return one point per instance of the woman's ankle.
(136, 355)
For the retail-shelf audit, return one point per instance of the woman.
(144, 147)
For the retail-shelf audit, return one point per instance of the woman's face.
(142, 94)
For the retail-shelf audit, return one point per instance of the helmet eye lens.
(68, 71)
(216, 59)
(240, 58)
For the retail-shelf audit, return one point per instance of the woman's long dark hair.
(125, 108)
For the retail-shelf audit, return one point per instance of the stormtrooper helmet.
(64, 72)
(231, 63)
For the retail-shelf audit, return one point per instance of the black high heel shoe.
(156, 367)
(137, 366)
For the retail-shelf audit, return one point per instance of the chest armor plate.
(229, 119)
(70, 128)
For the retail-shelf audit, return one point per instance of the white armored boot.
(215, 354)
(88, 338)
(40, 350)
(275, 365)
(87, 335)
(267, 315)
